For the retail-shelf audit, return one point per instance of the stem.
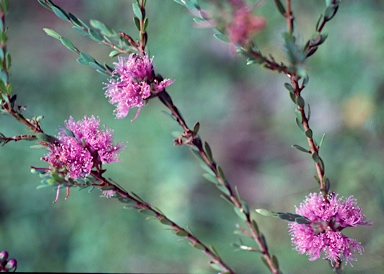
(195, 141)
(289, 16)
(143, 34)
(313, 148)
(164, 219)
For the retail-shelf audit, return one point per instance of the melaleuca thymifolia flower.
(136, 82)
(244, 25)
(323, 234)
(81, 146)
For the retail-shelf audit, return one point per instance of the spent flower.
(133, 82)
(323, 234)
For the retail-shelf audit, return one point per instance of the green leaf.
(280, 7)
(3, 76)
(300, 101)
(298, 114)
(245, 207)
(299, 124)
(293, 97)
(208, 151)
(7, 60)
(196, 128)
(76, 21)
(145, 24)
(302, 220)
(68, 44)
(223, 189)
(113, 53)
(301, 148)
(210, 178)
(126, 200)
(82, 61)
(179, 2)
(107, 188)
(330, 11)
(222, 37)
(137, 10)
(308, 133)
(95, 35)
(275, 261)
(255, 226)
(137, 22)
(181, 233)
(165, 221)
(322, 140)
(198, 156)
(60, 13)
(311, 51)
(318, 39)
(266, 212)
(318, 160)
(198, 246)
(44, 5)
(216, 267)
(240, 213)
(80, 30)
(289, 87)
(147, 212)
(52, 33)
(87, 57)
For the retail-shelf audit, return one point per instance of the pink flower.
(82, 146)
(324, 231)
(243, 25)
(135, 83)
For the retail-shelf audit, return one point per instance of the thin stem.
(194, 140)
(289, 16)
(313, 148)
(165, 220)
(143, 33)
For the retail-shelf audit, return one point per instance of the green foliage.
(57, 88)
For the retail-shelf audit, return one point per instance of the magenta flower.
(135, 83)
(324, 231)
(85, 147)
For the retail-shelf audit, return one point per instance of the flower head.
(135, 83)
(327, 218)
(243, 25)
(81, 146)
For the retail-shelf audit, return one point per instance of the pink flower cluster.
(136, 82)
(82, 146)
(323, 234)
(243, 25)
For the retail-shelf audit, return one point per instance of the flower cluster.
(327, 218)
(135, 83)
(243, 25)
(81, 146)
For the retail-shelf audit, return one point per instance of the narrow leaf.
(137, 10)
(301, 148)
(221, 37)
(68, 44)
(210, 178)
(299, 124)
(60, 13)
(208, 151)
(52, 33)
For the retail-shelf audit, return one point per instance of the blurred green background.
(245, 115)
